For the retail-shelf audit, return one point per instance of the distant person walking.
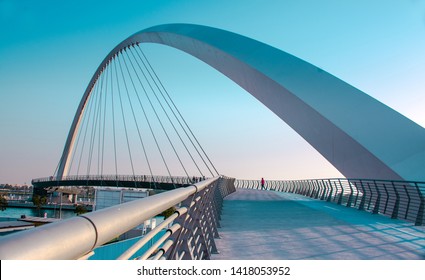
(262, 183)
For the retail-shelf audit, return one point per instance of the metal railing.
(137, 178)
(396, 199)
(191, 236)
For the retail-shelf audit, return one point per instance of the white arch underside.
(370, 141)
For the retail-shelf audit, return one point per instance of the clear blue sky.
(49, 51)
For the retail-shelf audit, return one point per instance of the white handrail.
(75, 237)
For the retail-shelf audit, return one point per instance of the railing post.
(342, 192)
(300, 188)
(388, 198)
(371, 196)
(378, 200)
(307, 188)
(322, 197)
(363, 201)
(285, 186)
(350, 198)
(294, 187)
(205, 220)
(211, 223)
(195, 225)
(180, 238)
(316, 184)
(420, 215)
(394, 214)
(218, 202)
(331, 192)
(408, 202)
(357, 193)
(303, 187)
(310, 189)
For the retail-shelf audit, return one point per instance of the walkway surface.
(268, 225)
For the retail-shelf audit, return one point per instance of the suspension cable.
(76, 145)
(100, 128)
(104, 122)
(89, 109)
(137, 127)
(98, 121)
(159, 119)
(94, 127)
(165, 112)
(113, 124)
(122, 110)
(177, 110)
(148, 122)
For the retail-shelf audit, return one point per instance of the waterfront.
(16, 213)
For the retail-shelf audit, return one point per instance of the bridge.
(260, 225)
(377, 215)
(128, 181)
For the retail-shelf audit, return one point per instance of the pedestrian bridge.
(127, 122)
(270, 225)
(224, 218)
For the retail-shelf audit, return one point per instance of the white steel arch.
(360, 136)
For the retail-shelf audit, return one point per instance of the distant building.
(107, 197)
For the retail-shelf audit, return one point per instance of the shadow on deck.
(267, 225)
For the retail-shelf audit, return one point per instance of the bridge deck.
(270, 225)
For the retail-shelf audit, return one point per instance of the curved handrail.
(393, 198)
(75, 237)
(130, 178)
(277, 79)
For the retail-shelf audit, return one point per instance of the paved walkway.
(269, 225)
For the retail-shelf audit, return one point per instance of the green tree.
(167, 213)
(3, 203)
(38, 202)
(80, 209)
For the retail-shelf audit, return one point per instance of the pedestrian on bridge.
(262, 183)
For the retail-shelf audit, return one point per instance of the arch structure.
(357, 134)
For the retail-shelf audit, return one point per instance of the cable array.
(131, 125)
